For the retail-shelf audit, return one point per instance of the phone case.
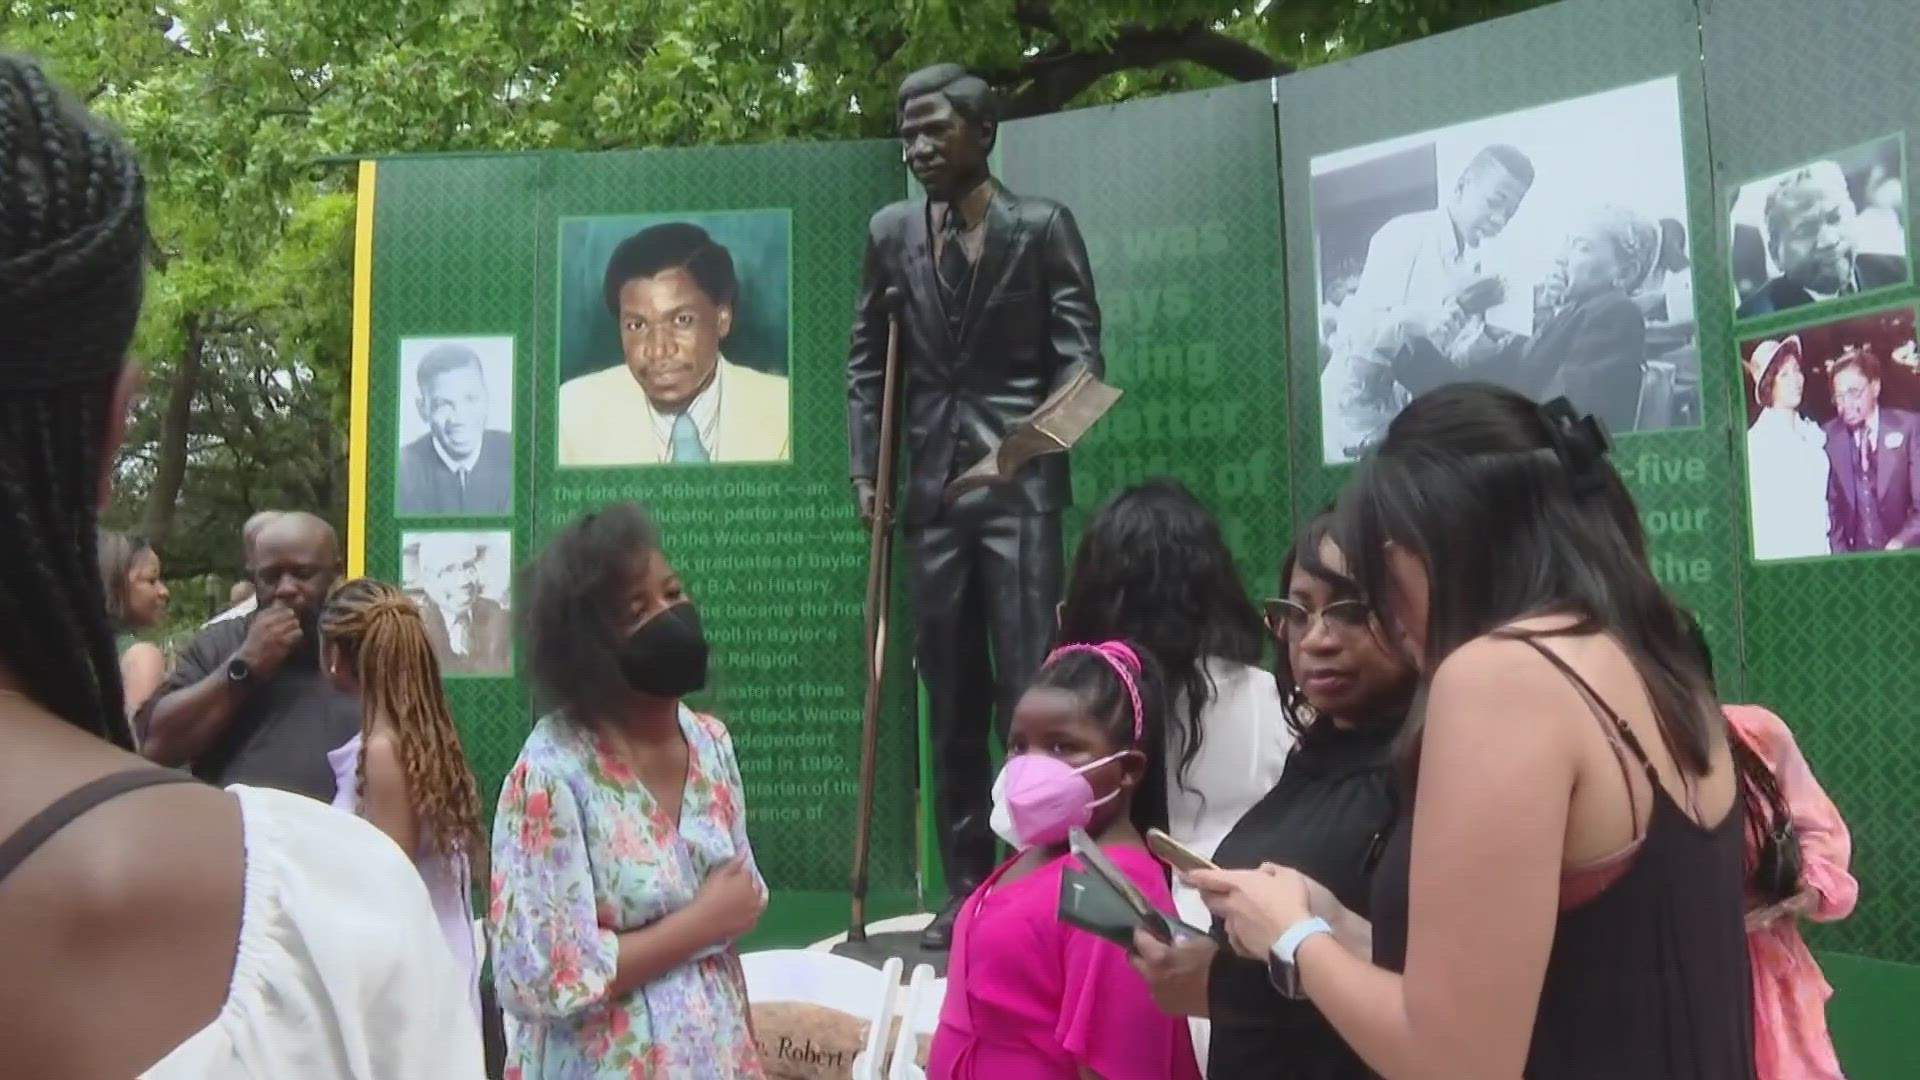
(1175, 854)
(1087, 902)
(1106, 896)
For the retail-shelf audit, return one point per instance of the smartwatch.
(1282, 972)
(238, 672)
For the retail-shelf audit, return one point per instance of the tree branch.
(1050, 80)
(1035, 15)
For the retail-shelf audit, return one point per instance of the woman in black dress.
(1563, 896)
(1346, 695)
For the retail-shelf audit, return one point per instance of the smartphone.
(1175, 854)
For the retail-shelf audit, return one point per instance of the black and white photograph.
(1546, 250)
(1826, 229)
(462, 582)
(1833, 415)
(456, 427)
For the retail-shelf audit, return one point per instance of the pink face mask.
(1038, 799)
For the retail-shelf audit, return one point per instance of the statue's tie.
(686, 440)
(954, 266)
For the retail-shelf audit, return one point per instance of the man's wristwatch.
(239, 672)
(1282, 972)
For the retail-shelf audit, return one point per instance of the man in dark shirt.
(247, 703)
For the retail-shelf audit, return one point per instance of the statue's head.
(948, 119)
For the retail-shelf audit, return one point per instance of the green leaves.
(235, 104)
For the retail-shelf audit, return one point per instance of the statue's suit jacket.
(1029, 322)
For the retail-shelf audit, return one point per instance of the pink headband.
(1124, 661)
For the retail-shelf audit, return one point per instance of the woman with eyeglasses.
(1563, 895)
(1346, 694)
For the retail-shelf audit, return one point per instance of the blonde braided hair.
(378, 629)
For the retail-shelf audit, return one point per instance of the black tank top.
(18, 847)
(1649, 978)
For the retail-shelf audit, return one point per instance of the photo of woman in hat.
(1787, 469)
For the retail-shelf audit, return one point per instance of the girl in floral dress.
(622, 872)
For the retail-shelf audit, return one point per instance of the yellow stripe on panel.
(362, 366)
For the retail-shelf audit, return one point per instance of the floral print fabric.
(1789, 991)
(583, 853)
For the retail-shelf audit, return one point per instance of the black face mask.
(666, 656)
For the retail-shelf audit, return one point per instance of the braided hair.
(379, 630)
(73, 238)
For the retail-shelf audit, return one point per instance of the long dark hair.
(1533, 525)
(1773, 862)
(1478, 418)
(1153, 569)
(571, 612)
(1092, 680)
(73, 239)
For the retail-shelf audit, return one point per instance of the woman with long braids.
(406, 771)
(153, 925)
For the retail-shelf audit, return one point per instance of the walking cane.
(879, 595)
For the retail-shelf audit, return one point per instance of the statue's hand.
(863, 500)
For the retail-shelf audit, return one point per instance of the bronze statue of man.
(996, 309)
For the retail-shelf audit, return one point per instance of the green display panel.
(1815, 116)
(1603, 103)
(1241, 240)
(454, 261)
(1175, 197)
(762, 530)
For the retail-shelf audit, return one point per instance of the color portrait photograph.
(462, 582)
(1833, 415)
(1824, 230)
(675, 339)
(1547, 250)
(455, 427)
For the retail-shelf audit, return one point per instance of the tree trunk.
(171, 468)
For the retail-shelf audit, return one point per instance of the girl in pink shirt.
(1028, 997)
(1789, 992)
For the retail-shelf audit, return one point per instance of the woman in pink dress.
(1789, 992)
(1028, 997)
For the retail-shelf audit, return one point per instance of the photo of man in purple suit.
(1873, 491)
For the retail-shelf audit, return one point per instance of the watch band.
(1289, 944)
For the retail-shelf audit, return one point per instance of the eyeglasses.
(1286, 618)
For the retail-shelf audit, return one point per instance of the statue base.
(887, 939)
(878, 948)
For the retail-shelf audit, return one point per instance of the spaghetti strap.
(63, 811)
(1623, 735)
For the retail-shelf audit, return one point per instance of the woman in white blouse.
(1786, 458)
(1153, 568)
(152, 925)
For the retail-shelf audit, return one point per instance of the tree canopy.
(244, 110)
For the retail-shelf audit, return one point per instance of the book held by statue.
(1053, 428)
